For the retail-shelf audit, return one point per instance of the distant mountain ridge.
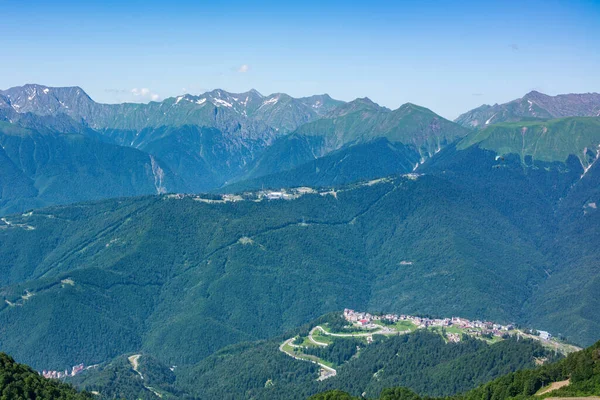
(534, 105)
(219, 140)
(278, 111)
(207, 141)
(420, 131)
(362, 120)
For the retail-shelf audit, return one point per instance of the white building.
(545, 335)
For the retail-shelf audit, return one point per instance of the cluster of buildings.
(475, 328)
(266, 194)
(453, 337)
(63, 374)
(283, 194)
(274, 195)
(364, 320)
(480, 328)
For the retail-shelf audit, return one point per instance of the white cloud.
(144, 94)
(244, 68)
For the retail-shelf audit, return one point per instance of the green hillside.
(422, 361)
(117, 379)
(418, 130)
(362, 120)
(375, 159)
(40, 168)
(547, 141)
(578, 376)
(19, 382)
(180, 278)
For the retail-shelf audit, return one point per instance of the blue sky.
(447, 56)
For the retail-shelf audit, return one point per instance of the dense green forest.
(422, 361)
(118, 380)
(20, 382)
(180, 278)
(500, 225)
(581, 369)
(41, 167)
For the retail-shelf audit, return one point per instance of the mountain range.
(309, 206)
(224, 141)
(534, 105)
(201, 143)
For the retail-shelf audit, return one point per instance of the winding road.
(313, 340)
(134, 360)
(326, 371)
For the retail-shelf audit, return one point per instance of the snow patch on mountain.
(222, 102)
(273, 101)
(490, 120)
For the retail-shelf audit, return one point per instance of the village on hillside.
(364, 326)
(279, 194)
(473, 328)
(76, 369)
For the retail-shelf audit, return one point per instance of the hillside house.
(545, 335)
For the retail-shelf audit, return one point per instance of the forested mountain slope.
(552, 164)
(577, 376)
(418, 130)
(21, 382)
(159, 272)
(422, 361)
(374, 159)
(39, 168)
